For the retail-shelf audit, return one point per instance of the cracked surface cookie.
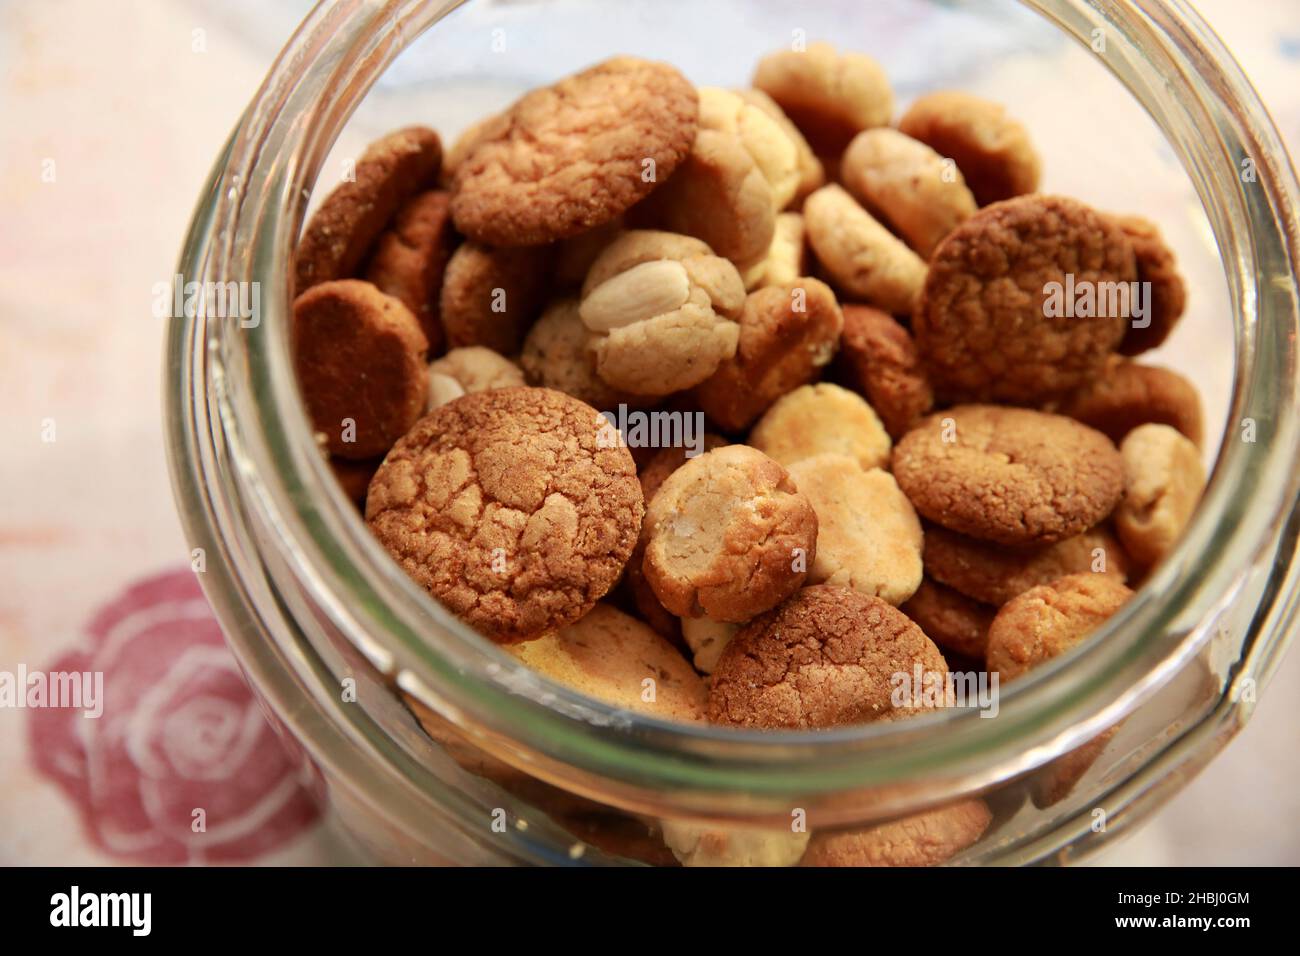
(508, 508)
(410, 257)
(491, 297)
(879, 359)
(1156, 265)
(825, 657)
(572, 156)
(949, 618)
(1127, 395)
(993, 323)
(1010, 475)
(923, 839)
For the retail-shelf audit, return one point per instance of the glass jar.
(508, 767)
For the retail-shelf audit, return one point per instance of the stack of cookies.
(905, 429)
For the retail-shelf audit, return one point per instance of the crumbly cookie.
(811, 173)
(1010, 475)
(788, 333)
(572, 156)
(575, 256)
(1163, 480)
(879, 359)
(830, 96)
(919, 193)
(823, 658)
(470, 369)
(1049, 620)
(1155, 265)
(617, 659)
(490, 127)
(868, 535)
(1126, 395)
(718, 195)
(491, 297)
(992, 150)
(993, 323)
(949, 618)
(862, 257)
(661, 309)
(343, 229)
(923, 839)
(707, 845)
(411, 256)
(707, 640)
(507, 507)
(786, 258)
(768, 145)
(994, 574)
(558, 354)
(729, 536)
(359, 356)
(819, 419)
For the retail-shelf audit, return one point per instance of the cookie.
(992, 150)
(1024, 301)
(354, 476)
(575, 256)
(487, 128)
(1010, 475)
(1127, 395)
(707, 640)
(863, 258)
(811, 173)
(558, 354)
(819, 419)
(729, 536)
(410, 257)
(617, 659)
(786, 258)
(490, 297)
(470, 369)
(1158, 271)
(1163, 481)
(359, 357)
(879, 360)
(868, 535)
(825, 657)
(830, 96)
(508, 508)
(919, 193)
(994, 574)
(958, 624)
(572, 156)
(923, 839)
(788, 334)
(710, 845)
(770, 147)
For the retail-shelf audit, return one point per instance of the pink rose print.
(180, 733)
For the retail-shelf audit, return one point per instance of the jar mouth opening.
(251, 222)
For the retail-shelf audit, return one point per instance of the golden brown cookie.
(819, 419)
(1010, 475)
(617, 659)
(343, 229)
(1049, 620)
(770, 147)
(879, 359)
(1005, 314)
(1127, 395)
(923, 839)
(410, 257)
(707, 640)
(729, 536)
(788, 333)
(572, 156)
(825, 657)
(558, 354)
(1168, 295)
(1163, 480)
(359, 356)
(490, 297)
(490, 127)
(811, 174)
(992, 150)
(949, 618)
(786, 258)
(712, 845)
(995, 574)
(506, 506)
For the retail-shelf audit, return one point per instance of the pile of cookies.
(910, 434)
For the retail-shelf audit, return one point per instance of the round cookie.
(411, 256)
(993, 322)
(811, 173)
(729, 536)
(992, 150)
(1010, 475)
(469, 369)
(508, 508)
(768, 145)
(572, 156)
(707, 640)
(1163, 480)
(359, 357)
(1155, 265)
(994, 574)
(490, 297)
(868, 535)
(820, 419)
(862, 257)
(1049, 620)
(923, 839)
(949, 618)
(617, 659)
(879, 359)
(1127, 395)
(825, 657)
(558, 354)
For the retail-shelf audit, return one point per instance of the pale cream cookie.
(817, 419)
(1163, 481)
